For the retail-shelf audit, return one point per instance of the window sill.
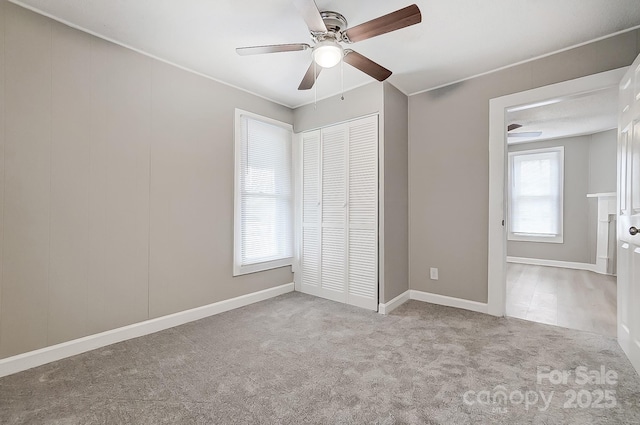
(239, 270)
(533, 238)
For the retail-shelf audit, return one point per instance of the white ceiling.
(456, 39)
(579, 115)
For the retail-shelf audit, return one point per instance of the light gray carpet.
(298, 359)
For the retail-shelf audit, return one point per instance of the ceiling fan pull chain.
(342, 76)
(315, 86)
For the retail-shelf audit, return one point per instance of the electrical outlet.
(433, 273)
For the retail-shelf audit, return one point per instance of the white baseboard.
(394, 303)
(45, 355)
(554, 263)
(433, 299)
(448, 301)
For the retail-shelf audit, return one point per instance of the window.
(536, 195)
(263, 226)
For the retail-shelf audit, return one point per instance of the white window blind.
(264, 187)
(536, 195)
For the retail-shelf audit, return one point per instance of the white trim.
(514, 142)
(529, 237)
(394, 303)
(20, 362)
(602, 195)
(428, 297)
(555, 52)
(497, 168)
(554, 263)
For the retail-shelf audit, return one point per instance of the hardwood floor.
(575, 299)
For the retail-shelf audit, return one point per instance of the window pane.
(534, 177)
(535, 216)
(259, 235)
(266, 218)
(260, 180)
(535, 193)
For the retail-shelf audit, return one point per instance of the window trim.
(525, 237)
(239, 269)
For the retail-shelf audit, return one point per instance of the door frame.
(498, 108)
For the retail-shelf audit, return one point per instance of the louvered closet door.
(340, 213)
(311, 230)
(363, 213)
(334, 202)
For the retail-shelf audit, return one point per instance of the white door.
(629, 215)
(339, 255)
(362, 213)
(334, 206)
(310, 234)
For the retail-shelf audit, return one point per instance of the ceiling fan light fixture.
(328, 29)
(327, 53)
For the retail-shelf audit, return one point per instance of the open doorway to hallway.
(561, 184)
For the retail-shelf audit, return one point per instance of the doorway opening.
(561, 209)
(546, 263)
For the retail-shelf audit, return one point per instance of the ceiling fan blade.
(275, 48)
(511, 127)
(525, 134)
(402, 18)
(311, 15)
(366, 65)
(309, 78)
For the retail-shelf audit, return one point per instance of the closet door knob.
(633, 231)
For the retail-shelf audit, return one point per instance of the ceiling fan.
(512, 127)
(328, 30)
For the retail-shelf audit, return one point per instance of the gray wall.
(364, 100)
(603, 162)
(602, 178)
(575, 246)
(117, 198)
(449, 163)
(396, 213)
